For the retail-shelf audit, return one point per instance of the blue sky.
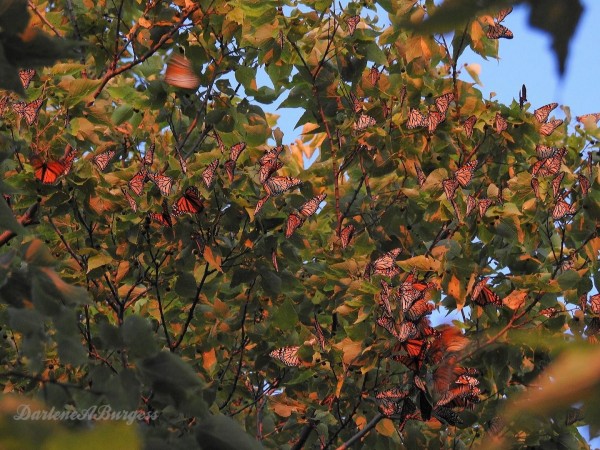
(528, 59)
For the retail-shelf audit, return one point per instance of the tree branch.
(368, 427)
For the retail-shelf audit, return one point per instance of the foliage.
(237, 336)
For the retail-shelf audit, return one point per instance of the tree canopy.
(169, 254)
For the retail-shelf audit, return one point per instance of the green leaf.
(285, 316)
(79, 89)
(223, 433)
(559, 18)
(139, 337)
(7, 217)
(116, 435)
(168, 373)
(98, 260)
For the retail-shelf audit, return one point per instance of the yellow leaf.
(209, 359)
(454, 289)
(211, 259)
(386, 427)
(421, 262)
(515, 299)
(350, 349)
(144, 22)
(360, 421)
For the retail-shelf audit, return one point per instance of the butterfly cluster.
(434, 117)
(274, 185)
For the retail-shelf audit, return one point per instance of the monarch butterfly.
(163, 182)
(271, 156)
(462, 390)
(149, 155)
(469, 125)
(269, 163)
(562, 209)
(199, 240)
(405, 331)
(3, 104)
(182, 162)
(191, 202)
(385, 295)
(385, 264)
(68, 158)
(483, 295)
(26, 75)
(450, 186)
(310, 207)
(268, 169)
(219, 141)
(392, 394)
(420, 383)
(180, 73)
(464, 174)
(385, 109)
(549, 312)
(374, 75)
(293, 223)
(541, 114)
(592, 330)
(421, 178)
(136, 184)
(410, 291)
(29, 111)
(522, 96)
(101, 161)
(484, 205)
(163, 218)
(130, 199)
(471, 204)
(287, 355)
(442, 103)
(352, 22)
(433, 119)
(543, 151)
(416, 350)
(346, 235)
(592, 117)
(319, 332)
(495, 425)
(573, 415)
(363, 122)
(550, 165)
(535, 185)
(278, 185)
(418, 309)
(556, 181)
(584, 184)
(595, 304)
(467, 379)
(209, 173)
(390, 407)
(500, 123)
(230, 169)
(47, 172)
(568, 263)
(415, 119)
(503, 13)
(548, 128)
(261, 203)
(281, 39)
(236, 150)
(355, 103)
(498, 31)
